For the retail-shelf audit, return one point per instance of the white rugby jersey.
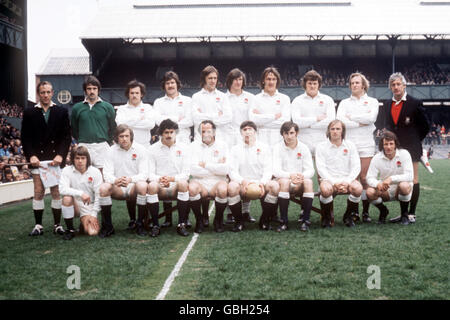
(337, 164)
(210, 155)
(240, 106)
(210, 103)
(304, 113)
(141, 119)
(251, 163)
(173, 162)
(132, 163)
(400, 168)
(174, 109)
(74, 183)
(363, 110)
(268, 106)
(287, 161)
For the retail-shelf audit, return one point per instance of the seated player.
(125, 173)
(338, 166)
(80, 186)
(293, 169)
(209, 170)
(390, 177)
(168, 164)
(252, 163)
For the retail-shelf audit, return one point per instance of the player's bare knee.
(194, 189)
(356, 188)
(67, 201)
(326, 190)
(371, 194)
(153, 187)
(404, 188)
(182, 186)
(273, 187)
(308, 185)
(141, 187)
(284, 184)
(105, 189)
(233, 189)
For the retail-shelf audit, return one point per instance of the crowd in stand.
(421, 73)
(13, 165)
(438, 135)
(426, 73)
(8, 110)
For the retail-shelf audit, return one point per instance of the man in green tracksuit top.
(93, 122)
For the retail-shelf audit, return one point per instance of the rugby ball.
(253, 191)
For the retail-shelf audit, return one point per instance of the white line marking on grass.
(176, 270)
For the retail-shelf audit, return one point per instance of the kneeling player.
(293, 169)
(79, 186)
(125, 172)
(168, 164)
(252, 163)
(338, 165)
(390, 177)
(209, 170)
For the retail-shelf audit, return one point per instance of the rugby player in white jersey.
(252, 163)
(390, 177)
(141, 118)
(209, 175)
(312, 111)
(125, 173)
(80, 187)
(293, 169)
(211, 104)
(169, 165)
(338, 166)
(359, 113)
(271, 108)
(241, 102)
(176, 107)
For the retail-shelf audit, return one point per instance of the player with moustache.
(178, 108)
(169, 169)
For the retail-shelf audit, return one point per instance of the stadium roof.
(253, 20)
(66, 62)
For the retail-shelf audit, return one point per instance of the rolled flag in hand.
(425, 162)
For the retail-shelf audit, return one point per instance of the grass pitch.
(321, 264)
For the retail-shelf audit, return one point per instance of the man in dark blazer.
(405, 116)
(45, 137)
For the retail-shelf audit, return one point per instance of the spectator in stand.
(8, 176)
(26, 175)
(4, 151)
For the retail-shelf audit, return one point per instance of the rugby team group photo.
(226, 148)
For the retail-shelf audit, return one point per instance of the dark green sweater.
(93, 125)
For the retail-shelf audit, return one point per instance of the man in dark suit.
(45, 137)
(405, 116)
